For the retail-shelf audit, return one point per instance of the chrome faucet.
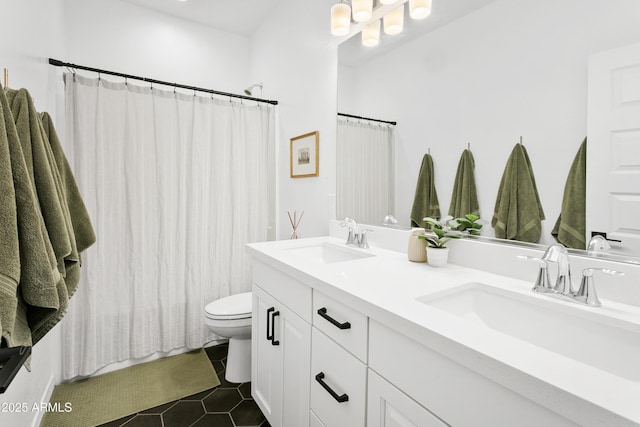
(598, 244)
(557, 253)
(356, 237)
(352, 226)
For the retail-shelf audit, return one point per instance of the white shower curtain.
(364, 168)
(175, 185)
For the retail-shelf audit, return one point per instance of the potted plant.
(444, 230)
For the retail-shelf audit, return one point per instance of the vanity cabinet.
(281, 347)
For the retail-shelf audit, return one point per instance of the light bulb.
(394, 21)
(340, 19)
(387, 1)
(371, 34)
(362, 10)
(419, 9)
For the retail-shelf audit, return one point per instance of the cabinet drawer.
(293, 294)
(338, 383)
(344, 325)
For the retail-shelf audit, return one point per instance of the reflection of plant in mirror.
(449, 228)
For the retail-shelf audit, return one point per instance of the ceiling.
(245, 16)
(352, 53)
(234, 16)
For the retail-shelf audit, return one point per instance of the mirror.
(485, 73)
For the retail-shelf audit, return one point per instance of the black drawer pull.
(269, 335)
(340, 398)
(273, 328)
(323, 312)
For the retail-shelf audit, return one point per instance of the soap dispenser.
(417, 249)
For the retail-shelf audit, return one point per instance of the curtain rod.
(368, 118)
(58, 63)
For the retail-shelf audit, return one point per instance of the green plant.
(469, 224)
(449, 228)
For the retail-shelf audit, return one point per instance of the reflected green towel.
(518, 213)
(36, 296)
(425, 201)
(464, 199)
(570, 228)
(43, 301)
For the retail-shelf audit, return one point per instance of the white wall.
(293, 56)
(31, 32)
(123, 37)
(512, 68)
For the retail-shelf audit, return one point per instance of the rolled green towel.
(570, 228)
(518, 212)
(425, 201)
(464, 199)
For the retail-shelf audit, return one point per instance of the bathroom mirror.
(482, 74)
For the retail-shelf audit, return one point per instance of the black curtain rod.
(368, 118)
(58, 63)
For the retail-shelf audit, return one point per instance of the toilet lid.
(232, 307)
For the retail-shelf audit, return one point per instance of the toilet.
(230, 317)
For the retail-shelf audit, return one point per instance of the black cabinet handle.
(269, 336)
(273, 328)
(323, 313)
(339, 398)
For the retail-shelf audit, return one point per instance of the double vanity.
(348, 337)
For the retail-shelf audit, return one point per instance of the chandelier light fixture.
(419, 9)
(367, 19)
(340, 19)
(394, 21)
(362, 10)
(371, 34)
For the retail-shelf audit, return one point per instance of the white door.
(389, 407)
(613, 147)
(266, 360)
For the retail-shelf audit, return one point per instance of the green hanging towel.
(570, 228)
(425, 201)
(464, 199)
(518, 213)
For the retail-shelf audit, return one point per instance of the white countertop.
(385, 287)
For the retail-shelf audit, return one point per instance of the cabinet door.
(266, 360)
(389, 407)
(294, 335)
(281, 345)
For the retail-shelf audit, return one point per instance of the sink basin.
(328, 253)
(603, 342)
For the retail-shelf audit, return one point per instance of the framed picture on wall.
(304, 155)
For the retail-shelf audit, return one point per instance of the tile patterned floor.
(228, 405)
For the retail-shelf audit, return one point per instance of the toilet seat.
(230, 308)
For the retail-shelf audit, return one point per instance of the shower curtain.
(175, 185)
(364, 170)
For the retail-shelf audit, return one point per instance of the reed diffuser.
(295, 222)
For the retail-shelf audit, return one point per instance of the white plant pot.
(437, 257)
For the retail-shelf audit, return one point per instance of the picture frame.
(304, 156)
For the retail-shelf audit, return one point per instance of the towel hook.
(468, 146)
(6, 77)
(429, 151)
(520, 139)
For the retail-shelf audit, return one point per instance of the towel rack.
(11, 360)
